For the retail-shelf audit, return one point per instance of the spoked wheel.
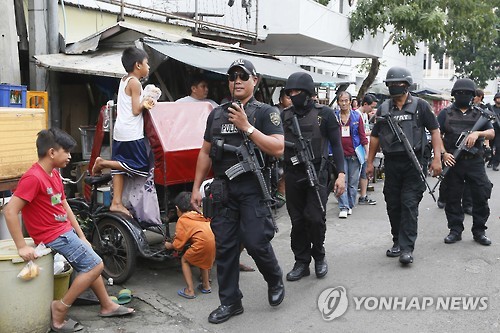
(116, 248)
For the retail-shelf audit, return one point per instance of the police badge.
(275, 118)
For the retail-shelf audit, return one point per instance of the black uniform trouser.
(466, 197)
(243, 219)
(495, 159)
(471, 172)
(403, 191)
(308, 221)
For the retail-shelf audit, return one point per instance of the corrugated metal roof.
(100, 63)
(218, 61)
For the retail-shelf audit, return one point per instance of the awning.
(218, 61)
(100, 63)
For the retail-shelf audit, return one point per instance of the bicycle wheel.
(116, 248)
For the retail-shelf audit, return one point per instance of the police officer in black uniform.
(403, 187)
(240, 214)
(455, 121)
(495, 144)
(318, 125)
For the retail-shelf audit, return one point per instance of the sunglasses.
(243, 76)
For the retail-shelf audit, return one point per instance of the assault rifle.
(486, 116)
(401, 137)
(305, 155)
(250, 160)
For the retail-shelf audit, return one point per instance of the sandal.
(203, 291)
(69, 326)
(182, 293)
(124, 296)
(120, 311)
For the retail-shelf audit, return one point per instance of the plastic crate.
(87, 133)
(40, 100)
(12, 96)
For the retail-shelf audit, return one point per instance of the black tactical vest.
(457, 123)
(224, 131)
(310, 128)
(408, 117)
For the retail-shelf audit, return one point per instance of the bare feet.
(96, 169)
(119, 208)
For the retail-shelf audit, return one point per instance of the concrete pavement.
(356, 254)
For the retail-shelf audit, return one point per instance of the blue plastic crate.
(12, 96)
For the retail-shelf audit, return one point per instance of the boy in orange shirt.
(193, 229)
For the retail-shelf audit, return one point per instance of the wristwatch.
(250, 130)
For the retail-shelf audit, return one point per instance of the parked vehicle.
(175, 132)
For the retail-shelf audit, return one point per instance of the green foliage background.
(466, 30)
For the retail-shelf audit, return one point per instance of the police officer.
(495, 160)
(240, 214)
(318, 125)
(403, 187)
(454, 121)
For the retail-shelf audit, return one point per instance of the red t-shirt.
(44, 216)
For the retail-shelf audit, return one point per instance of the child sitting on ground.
(49, 220)
(194, 229)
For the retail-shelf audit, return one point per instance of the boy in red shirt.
(48, 218)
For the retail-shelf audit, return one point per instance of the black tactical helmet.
(497, 95)
(464, 85)
(398, 74)
(300, 81)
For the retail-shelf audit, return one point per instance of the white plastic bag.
(29, 272)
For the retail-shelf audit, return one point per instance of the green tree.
(466, 30)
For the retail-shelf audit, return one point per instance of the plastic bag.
(152, 91)
(30, 271)
(60, 264)
(150, 96)
(42, 250)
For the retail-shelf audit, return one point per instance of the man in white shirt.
(199, 91)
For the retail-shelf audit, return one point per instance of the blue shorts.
(78, 253)
(132, 156)
(362, 174)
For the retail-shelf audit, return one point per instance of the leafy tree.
(466, 30)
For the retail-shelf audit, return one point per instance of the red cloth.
(195, 229)
(44, 216)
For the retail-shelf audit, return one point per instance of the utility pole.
(9, 66)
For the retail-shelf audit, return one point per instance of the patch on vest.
(228, 129)
(403, 117)
(275, 118)
(319, 120)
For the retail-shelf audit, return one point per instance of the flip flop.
(124, 296)
(69, 326)
(204, 291)
(120, 311)
(114, 299)
(182, 293)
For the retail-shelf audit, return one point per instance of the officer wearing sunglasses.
(240, 215)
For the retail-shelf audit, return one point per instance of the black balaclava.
(463, 101)
(397, 90)
(301, 102)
